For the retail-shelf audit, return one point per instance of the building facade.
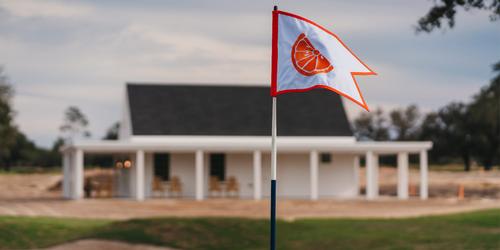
(200, 141)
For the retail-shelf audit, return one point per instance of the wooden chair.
(214, 186)
(175, 187)
(92, 187)
(158, 187)
(232, 187)
(103, 185)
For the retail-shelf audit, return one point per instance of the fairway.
(476, 230)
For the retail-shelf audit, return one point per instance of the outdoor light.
(119, 164)
(127, 164)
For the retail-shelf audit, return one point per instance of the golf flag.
(307, 56)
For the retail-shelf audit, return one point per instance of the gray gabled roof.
(233, 111)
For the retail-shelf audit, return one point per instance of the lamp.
(119, 164)
(127, 164)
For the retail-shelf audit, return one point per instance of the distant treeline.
(460, 131)
(17, 150)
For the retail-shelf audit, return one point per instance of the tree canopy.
(74, 124)
(476, 125)
(443, 13)
(466, 131)
(8, 131)
(372, 126)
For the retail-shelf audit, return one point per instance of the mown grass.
(477, 230)
(34, 232)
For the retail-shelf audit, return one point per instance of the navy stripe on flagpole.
(273, 215)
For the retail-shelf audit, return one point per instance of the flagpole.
(273, 142)
(273, 177)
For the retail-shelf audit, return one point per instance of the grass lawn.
(477, 230)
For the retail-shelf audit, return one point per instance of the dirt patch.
(30, 195)
(28, 186)
(442, 184)
(104, 245)
(122, 209)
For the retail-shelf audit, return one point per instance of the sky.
(62, 53)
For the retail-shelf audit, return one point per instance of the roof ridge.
(196, 84)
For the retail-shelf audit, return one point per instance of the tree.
(112, 132)
(485, 115)
(22, 151)
(445, 11)
(485, 141)
(432, 130)
(371, 126)
(7, 129)
(75, 124)
(58, 143)
(450, 131)
(404, 122)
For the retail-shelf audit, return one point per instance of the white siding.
(338, 178)
(182, 165)
(241, 167)
(292, 175)
(123, 182)
(125, 131)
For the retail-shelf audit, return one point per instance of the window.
(218, 166)
(326, 158)
(162, 166)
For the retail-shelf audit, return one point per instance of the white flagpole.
(274, 148)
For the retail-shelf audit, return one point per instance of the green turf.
(477, 230)
(32, 232)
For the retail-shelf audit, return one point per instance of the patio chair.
(103, 186)
(175, 187)
(232, 187)
(158, 187)
(214, 186)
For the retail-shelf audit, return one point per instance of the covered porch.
(302, 169)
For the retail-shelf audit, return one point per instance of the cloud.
(45, 9)
(82, 52)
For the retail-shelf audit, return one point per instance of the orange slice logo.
(307, 60)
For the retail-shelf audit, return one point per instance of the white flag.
(306, 56)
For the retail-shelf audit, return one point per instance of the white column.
(66, 163)
(138, 168)
(199, 175)
(403, 176)
(356, 174)
(257, 175)
(78, 175)
(424, 184)
(313, 167)
(371, 175)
